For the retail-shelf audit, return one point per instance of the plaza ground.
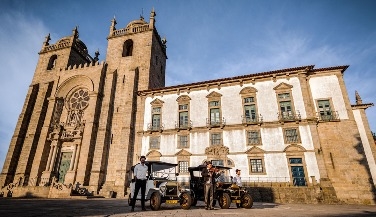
(119, 207)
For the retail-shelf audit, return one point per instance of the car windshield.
(225, 172)
(164, 171)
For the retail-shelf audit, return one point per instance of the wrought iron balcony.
(155, 128)
(183, 126)
(289, 116)
(248, 120)
(328, 116)
(215, 123)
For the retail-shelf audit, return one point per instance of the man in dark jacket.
(209, 179)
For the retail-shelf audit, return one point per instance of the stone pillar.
(32, 134)
(100, 155)
(87, 144)
(9, 167)
(49, 158)
(73, 158)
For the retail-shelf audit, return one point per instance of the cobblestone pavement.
(119, 207)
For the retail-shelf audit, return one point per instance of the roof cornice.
(242, 78)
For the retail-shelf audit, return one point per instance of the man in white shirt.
(237, 179)
(140, 171)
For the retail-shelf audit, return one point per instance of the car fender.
(151, 191)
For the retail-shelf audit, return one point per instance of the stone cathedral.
(293, 132)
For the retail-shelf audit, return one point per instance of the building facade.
(87, 122)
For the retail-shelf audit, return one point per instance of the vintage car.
(162, 186)
(225, 192)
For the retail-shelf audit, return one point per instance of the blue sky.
(206, 39)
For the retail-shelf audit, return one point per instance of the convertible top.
(157, 165)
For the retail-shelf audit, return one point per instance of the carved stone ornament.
(183, 98)
(183, 152)
(217, 150)
(157, 102)
(214, 95)
(248, 90)
(283, 86)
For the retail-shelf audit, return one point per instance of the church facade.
(87, 122)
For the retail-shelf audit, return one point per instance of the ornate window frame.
(250, 92)
(217, 142)
(183, 156)
(259, 137)
(214, 97)
(285, 129)
(183, 100)
(157, 140)
(256, 153)
(284, 88)
(334, 114)
(296, 151)
(179, 141)
(156, 109)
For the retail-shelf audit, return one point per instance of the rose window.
(79, 100)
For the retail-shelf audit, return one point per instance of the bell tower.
(136, 58)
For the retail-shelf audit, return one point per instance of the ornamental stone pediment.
(294, 148)
(248, 90)
(157, 102)
(154, 153)
(183, 152)
(183, 98)
(283, 86)
(255, 150)
(217, 150)
(213, 95)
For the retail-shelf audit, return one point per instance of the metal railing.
(289, 116)
(184, 125)
(329, 116)
(154, 127)
(248, 120)
(215, 123)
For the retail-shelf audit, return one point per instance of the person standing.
(207, 174)
(237, 179)
(140, 171)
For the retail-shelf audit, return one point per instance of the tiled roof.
(308, 68)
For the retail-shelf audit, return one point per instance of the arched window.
(52, 62)
(127, 48)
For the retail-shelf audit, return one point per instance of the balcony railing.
(153, 128)
(329, 116)
(183, 126)
(289, 116)
(215, 123)
(247, 120)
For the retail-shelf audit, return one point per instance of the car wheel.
(155, 201)
(247, 201)
(185, 201)
(129, 199)
(194, 201)
(224, 201)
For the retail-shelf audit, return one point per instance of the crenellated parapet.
(92, 64)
